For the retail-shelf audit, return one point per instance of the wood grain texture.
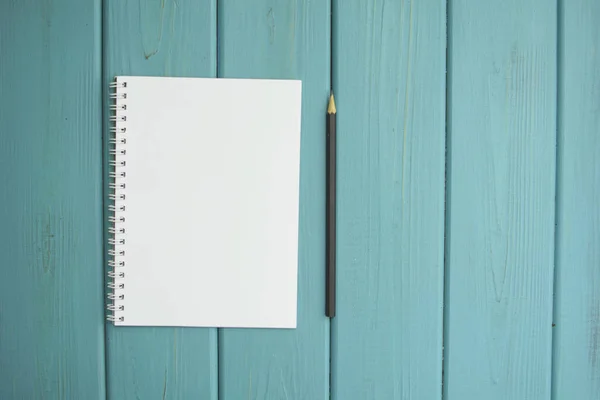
(577, 301)
(500, 201)
(51, 297)
(389, 82)
(285, 39)
(160, 38)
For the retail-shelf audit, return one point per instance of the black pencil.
(330, 210)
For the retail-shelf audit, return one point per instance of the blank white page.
(212, 190)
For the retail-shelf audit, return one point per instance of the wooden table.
(468, 198)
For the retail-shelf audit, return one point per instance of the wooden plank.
(577, 301)
(166, 38)
(51, 296)
(500, 210)
(389, 81)
(285, 39)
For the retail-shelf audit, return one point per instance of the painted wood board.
(51, 296)
(389, 82)
(500, 199)
(285, 40)
(161, 38)
(577, 298)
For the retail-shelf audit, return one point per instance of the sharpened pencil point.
(331, 106)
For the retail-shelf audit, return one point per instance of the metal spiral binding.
(117, 175)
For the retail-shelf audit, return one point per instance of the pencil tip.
(331, 107)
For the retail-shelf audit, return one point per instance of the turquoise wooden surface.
(507, 160)
(51, 296)
(286, 40)
(389, 81)
(161, 38)
(577, 303)
(500, 199)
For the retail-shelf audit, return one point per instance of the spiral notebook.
(203, 202)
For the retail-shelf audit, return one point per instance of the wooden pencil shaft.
(330, 206)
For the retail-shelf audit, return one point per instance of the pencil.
(330, 210)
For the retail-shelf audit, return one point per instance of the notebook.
(203, 202)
